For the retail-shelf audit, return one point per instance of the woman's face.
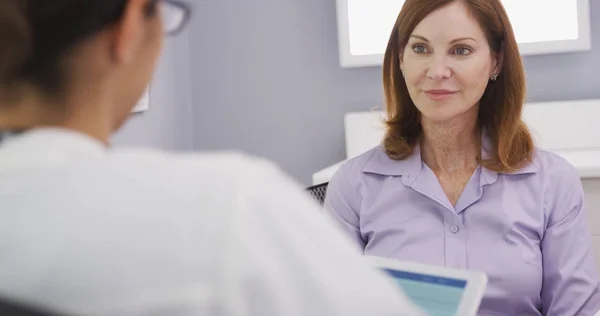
(448, 64)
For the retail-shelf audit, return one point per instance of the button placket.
(455, 242)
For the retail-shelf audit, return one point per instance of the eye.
(419, 49)
(461, 51)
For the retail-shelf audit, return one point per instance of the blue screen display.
(436, 296)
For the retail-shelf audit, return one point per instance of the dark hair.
(500, 106)
(36, 36)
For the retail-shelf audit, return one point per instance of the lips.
(439, 94)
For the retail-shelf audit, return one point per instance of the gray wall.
(265, 78)
(168, 123)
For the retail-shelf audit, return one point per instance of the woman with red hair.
(457, 180)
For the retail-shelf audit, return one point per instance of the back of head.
(82, 63)
(500, 106)
(15, 38)
(36, 36)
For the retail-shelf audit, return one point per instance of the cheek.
(413, 84)
(473, 83)
(414, 78)
(475, 90)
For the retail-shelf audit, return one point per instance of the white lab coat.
(113, 232)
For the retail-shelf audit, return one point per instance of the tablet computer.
(436, 290)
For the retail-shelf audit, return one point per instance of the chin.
(445, 111)
(442, 115)
(437, 117)
(439, 113)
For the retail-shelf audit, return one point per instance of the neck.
(450, 147)
(32, 112)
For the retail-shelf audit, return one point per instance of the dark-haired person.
(88, 231)
(457, 180)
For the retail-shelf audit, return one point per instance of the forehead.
(449, 22)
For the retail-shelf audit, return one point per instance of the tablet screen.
(436, 296)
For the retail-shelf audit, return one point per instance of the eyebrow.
(422, 38)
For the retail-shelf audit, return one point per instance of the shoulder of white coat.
(215, 161)
(222, 168)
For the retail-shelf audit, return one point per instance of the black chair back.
(318, 192)
(10, 308)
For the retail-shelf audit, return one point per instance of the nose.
(438, 68)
